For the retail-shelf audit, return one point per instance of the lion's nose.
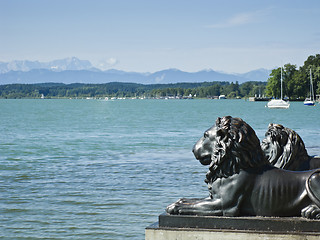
(196, 147)
(193, 149)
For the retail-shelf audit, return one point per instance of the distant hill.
(73, 70)
(257, 74)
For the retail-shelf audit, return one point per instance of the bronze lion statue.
(285, 149)
(242, 182)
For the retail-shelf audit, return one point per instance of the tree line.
(296, 85)
(116, 89)
(296, 82)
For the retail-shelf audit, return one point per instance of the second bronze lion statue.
(241, 181)
(285, 149)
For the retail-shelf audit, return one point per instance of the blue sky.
(147, 35)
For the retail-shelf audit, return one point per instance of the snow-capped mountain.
(74, 70)
(72, 63)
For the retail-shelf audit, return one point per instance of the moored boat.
(279, 103)
(310, 101)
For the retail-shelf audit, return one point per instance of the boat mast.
(281, 82)
(311, 87)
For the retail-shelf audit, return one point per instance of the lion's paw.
(180, 205)
(173, 208)
(311, 212)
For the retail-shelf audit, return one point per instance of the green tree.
(288, 74)
(298, 83)
(273, 84)
(273, 88)
(313, 63)
(316, 76)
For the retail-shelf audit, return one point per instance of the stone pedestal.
(206, 227)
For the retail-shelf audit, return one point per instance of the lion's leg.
(205, 206)
(313, 187)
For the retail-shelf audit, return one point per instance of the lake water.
(92, 169)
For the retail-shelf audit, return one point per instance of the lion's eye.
(206, 134)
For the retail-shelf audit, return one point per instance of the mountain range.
(74, 70)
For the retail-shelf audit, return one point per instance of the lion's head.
(284, 148)
(228, 146)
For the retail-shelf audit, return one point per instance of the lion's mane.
(237, 148)
(291, 151)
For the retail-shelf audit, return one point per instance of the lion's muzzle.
(201, 153)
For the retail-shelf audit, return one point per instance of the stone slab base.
(225, 228)
(208, 234)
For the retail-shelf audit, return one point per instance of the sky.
(230, 36)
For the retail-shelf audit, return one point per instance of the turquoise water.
(91, 169)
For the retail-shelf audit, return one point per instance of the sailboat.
(279, 103)
(310, 101)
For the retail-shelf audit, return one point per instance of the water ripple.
(76, 169)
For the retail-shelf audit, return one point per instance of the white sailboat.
(279, 103)
(310, 101)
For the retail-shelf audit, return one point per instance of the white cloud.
(107, 64)
(160, 79)
(238, 20)
(112, 61)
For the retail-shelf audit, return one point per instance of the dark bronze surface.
(285, 149)
(242, 182)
